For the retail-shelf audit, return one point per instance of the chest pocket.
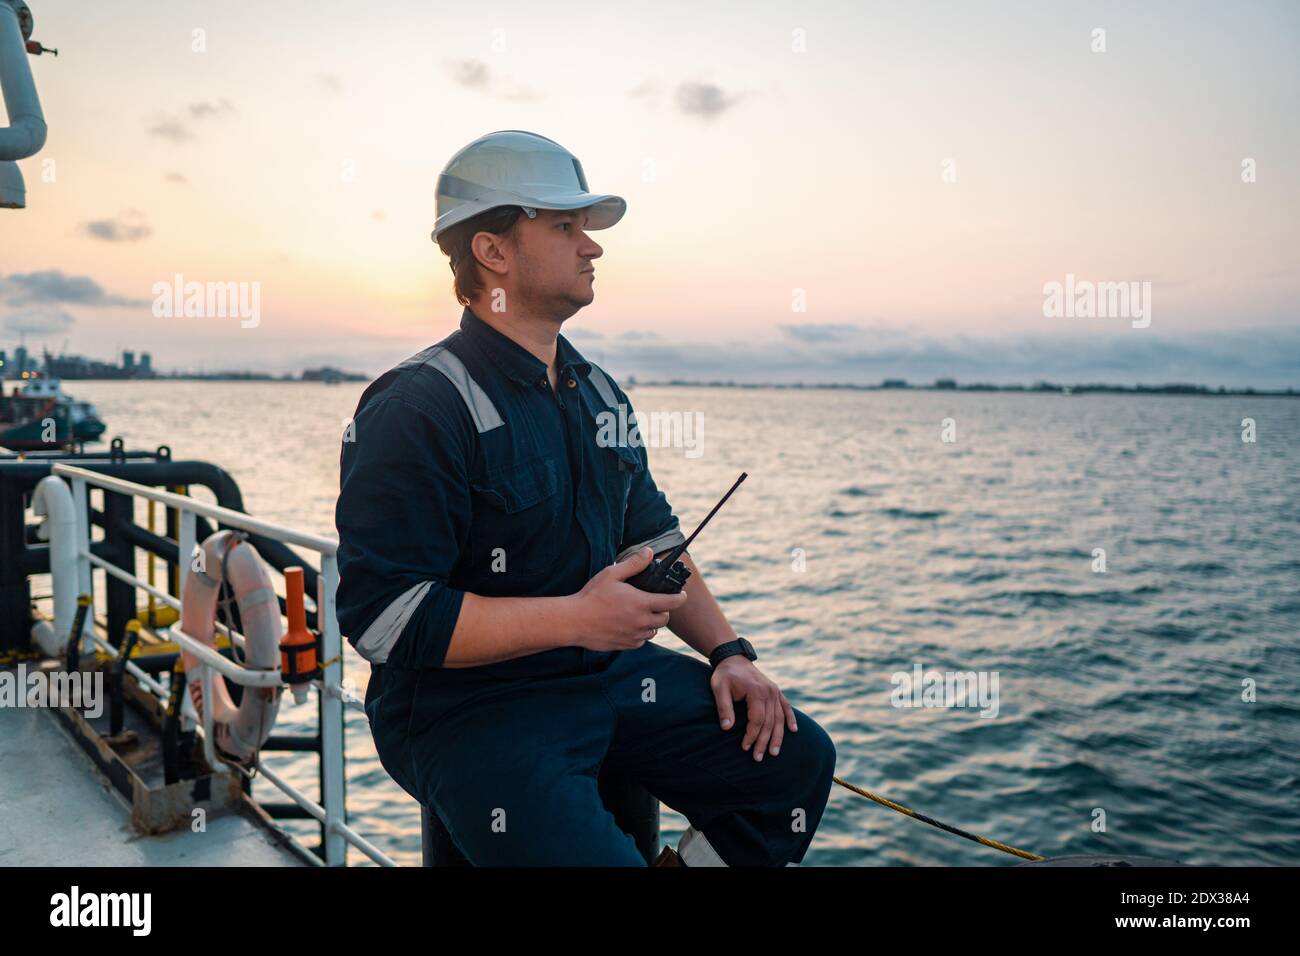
(516, 521)
(621, 466)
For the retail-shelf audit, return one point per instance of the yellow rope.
(994, 844)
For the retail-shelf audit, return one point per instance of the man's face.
(554, 259)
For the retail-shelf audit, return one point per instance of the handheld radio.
(668, 576)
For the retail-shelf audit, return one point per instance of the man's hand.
(769, 713)
(612, 615)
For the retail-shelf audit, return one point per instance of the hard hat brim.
(604, 210)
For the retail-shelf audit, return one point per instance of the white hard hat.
(515, 168)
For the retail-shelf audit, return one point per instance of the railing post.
(119, 513)
(185, 549)
(15, 589)
(85, 582)
(209, 730)
(333, 796)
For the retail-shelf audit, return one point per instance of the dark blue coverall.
(464, 471)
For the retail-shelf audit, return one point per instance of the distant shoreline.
(889, 385)
(1038, 389)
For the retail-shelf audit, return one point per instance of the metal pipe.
(333, 781)
(233, 519)
(15, 588)
(339, 831)
(18, 476)
(119, 607)
(117, 697)
(52, 500)
(214, 661)
(25, 134)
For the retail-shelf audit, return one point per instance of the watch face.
(749, 649)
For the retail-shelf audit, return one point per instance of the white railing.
(332, 811)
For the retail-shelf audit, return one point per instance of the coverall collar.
(519, 364)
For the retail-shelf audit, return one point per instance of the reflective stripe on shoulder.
(377, 642)
(599, 379)
(480, 407)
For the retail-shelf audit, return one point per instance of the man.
(485, 542)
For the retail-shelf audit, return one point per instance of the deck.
(57, 809)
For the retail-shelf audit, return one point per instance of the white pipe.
(213, 659)
(81, 507)
(52, 500)
(331, 713)
(25, 134)
(44, 637)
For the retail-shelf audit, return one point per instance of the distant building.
(146, 365)
(331, 375)
(894, 383)
(945, 383)
(73, 367)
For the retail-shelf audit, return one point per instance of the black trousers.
(510, 763)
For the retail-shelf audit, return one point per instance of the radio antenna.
(681, 548)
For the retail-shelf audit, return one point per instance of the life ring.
(240, 730)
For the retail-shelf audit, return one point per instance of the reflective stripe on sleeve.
(377, 642)
(660, 542)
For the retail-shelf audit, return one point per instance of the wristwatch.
(730, 649)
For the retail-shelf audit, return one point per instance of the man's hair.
(455, 242)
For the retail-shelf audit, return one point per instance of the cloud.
(42, 321)
(173, 129)
(329, 82)
(823, 332)
(705, 100)
(205, 110)
(128, 226)
(1264, 357)
(54, 285)
(175, 178)
(475, 75)
(378, 215)
(471, 74)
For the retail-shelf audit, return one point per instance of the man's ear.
(491, 252)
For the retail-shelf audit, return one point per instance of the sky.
(818, 192)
